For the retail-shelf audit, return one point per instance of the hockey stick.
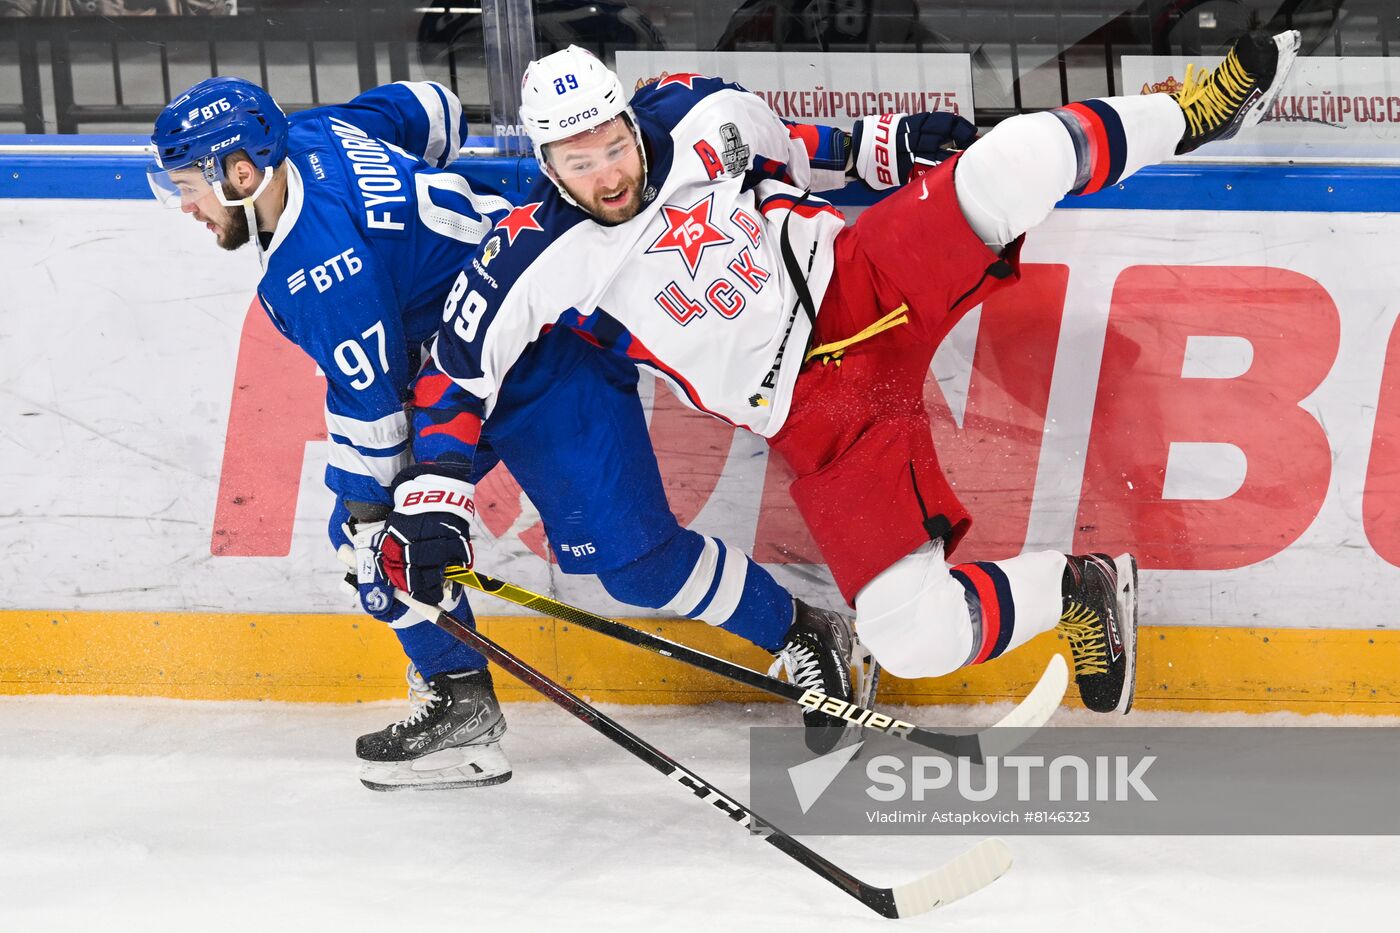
(1030, 714)
(968, 872)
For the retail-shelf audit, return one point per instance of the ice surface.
(161, 815)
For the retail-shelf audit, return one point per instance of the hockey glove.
(429, 529)
(886, 148)
(375, 592)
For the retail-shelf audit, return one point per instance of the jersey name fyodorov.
(366, 246)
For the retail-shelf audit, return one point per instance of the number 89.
(565, 84)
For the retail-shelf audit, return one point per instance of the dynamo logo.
(376, 599)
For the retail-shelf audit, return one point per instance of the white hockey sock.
(1010, 180)
(915, 617)
(1036, 593)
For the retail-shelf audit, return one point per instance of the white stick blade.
(1031, 713)
(972, 871)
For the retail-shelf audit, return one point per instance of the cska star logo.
(520, 220)
(688, 231)
(686, 79)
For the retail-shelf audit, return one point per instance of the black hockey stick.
(968, 872)
(1030, 714)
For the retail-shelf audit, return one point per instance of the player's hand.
(375, 592)
(429, 529)
(887, 148)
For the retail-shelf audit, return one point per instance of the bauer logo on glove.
(886, 148)
(442, 497)
(428, 531)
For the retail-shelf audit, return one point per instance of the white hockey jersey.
(694, 287)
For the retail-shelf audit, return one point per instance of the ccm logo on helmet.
(579, 117)
(436, 496)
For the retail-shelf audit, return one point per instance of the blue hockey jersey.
(367, 246)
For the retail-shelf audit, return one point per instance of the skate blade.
(372, 783)
(1126, 565)
(865, 683)
(448, 769)
(1287, 44)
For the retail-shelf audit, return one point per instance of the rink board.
(1198, 366)
(343, 658)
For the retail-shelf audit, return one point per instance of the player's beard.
(618, 213)
(235, 233)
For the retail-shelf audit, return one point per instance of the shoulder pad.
(671, 96)
(519, 237)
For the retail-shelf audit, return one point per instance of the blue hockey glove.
(376, 593)
(429, 529)
(886, 148)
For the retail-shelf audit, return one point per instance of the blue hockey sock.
(702, 578)
(434, 651)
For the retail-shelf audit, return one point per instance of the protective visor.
(592, 150)
(194, 181)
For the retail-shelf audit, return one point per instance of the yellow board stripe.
(349, 658)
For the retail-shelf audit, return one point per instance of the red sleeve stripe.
(464, 427)
(809, 136)
(782, 202)
(429, 389)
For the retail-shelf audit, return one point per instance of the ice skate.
(816, 655)
(1100, 622)
(452, 738)
(1237, 94)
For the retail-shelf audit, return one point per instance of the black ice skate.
(1100, 622)
(816, 655)
(452, 739)
(1240, 90)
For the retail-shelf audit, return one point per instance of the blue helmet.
(216, 117)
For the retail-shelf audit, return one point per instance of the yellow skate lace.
(1084, 631)
(1210, 98)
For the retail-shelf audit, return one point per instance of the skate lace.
(1211, 98)
(1083, 628)
(799, 664)
(421, 699)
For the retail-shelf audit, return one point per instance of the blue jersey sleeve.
(828, 148)
(447, 421)
(423, 118)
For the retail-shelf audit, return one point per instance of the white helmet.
(567, 93)
(570, 92)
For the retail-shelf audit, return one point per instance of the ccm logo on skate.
(820, 702)
(1115, 642)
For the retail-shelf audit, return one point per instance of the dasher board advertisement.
(830, 87)
(1218, 392)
